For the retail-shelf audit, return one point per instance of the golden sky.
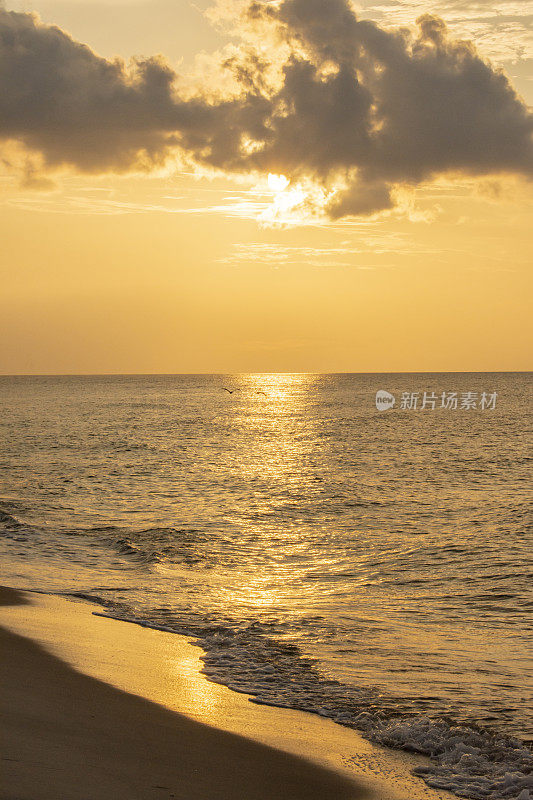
(294, 186)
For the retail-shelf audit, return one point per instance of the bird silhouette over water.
(229, 391)
(262, 393)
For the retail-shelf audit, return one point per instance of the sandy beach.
(69, 736)
(118, 731)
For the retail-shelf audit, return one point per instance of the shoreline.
(98, 708)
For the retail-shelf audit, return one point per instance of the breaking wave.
(469, 760)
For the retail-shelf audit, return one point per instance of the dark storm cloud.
(357, 106)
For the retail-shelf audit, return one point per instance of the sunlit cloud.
(279, 255)
(344, 121)
(503, 31)
(366, 241)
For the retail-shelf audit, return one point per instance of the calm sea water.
(373, 567)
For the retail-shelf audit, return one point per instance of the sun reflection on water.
(287, 387)
(274, 451)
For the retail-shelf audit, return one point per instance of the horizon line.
(268, 372)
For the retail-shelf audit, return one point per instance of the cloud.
(360, 199)
(280, 255)
(365, 244)
(32, 179)
(76, 109)
(63, 101)
(356, 108)
(397, 107)
(504, 30)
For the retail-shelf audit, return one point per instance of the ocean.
(371, 566)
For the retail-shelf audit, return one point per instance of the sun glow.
(277, 183)
(288, 203)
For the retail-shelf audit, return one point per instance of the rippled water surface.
(374, 567)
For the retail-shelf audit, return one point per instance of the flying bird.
(262, 393)
(229, 391)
